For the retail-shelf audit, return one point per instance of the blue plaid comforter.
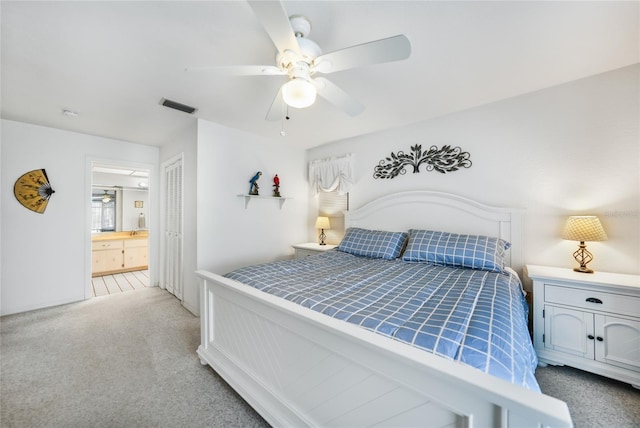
(476, 317)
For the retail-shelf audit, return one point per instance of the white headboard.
(446, 212)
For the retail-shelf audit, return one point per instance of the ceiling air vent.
(177, 106)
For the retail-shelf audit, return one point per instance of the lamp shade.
(323, 223)
(299, 93)
(584, 228)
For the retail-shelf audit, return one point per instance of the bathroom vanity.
(117, 252)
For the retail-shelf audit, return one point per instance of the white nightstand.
(311, 249)
(587, 321)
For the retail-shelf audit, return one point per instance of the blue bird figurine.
(253, 190)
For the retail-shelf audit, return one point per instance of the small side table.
(311, 249)
(590, 321)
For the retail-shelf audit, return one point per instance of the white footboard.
(299, 368)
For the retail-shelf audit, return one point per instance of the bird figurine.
(276, 185)
(253, 190)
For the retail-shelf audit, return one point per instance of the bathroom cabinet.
(116, 254)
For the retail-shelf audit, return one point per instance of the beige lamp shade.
(584, 228)
(323, 223)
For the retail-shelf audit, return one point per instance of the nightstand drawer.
(311, 249)
(305, 253)
(592, 300)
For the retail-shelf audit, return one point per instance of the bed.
(297, 366)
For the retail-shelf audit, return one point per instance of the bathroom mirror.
(119, 199)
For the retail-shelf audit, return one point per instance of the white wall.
(230, 236)
(570, 149)
(45, 257)
(131, 214)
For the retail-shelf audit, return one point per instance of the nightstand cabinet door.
(620, 344)
(570, 331)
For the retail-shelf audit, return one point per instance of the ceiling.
(113, 62)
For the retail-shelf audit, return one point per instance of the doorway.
(120, 209)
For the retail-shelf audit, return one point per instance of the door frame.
(152, 219)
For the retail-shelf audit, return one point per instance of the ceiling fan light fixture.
(299, 93)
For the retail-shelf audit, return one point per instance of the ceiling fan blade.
(275, 21)
(240, 70)
(384, 50)
(278, 108)
(336, 96)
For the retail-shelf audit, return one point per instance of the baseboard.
(27, 308)
(194, 310)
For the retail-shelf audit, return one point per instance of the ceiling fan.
(300, 59)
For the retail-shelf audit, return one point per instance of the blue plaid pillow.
(377, 244)
(451, 249)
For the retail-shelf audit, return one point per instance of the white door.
(172, 252)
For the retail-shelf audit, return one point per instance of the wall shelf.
(247, 198)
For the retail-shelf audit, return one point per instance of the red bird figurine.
(276, 186)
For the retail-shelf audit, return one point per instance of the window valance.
(331, 174)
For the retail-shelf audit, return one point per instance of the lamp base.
(322, 237)
(583, 257)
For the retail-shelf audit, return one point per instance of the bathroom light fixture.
(106, 198)
(322, 223)
(299, 93)
(583, 228)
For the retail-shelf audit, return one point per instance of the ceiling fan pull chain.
(286, 117)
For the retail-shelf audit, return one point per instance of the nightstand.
(587, 321)
(311, 249)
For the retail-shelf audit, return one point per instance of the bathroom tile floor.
(119, 283)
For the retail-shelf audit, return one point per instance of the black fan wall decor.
(444, 159)
(33, 190)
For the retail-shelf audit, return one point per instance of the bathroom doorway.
(120, 211)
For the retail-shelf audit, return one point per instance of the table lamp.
(583, 228)
(322, 223)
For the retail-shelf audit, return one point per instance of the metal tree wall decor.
(444, 159)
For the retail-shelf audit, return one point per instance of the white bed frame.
(297, 367)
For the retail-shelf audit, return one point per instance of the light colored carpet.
(594, 401)
(126, 360)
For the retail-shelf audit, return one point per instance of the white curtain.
(331, 174)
